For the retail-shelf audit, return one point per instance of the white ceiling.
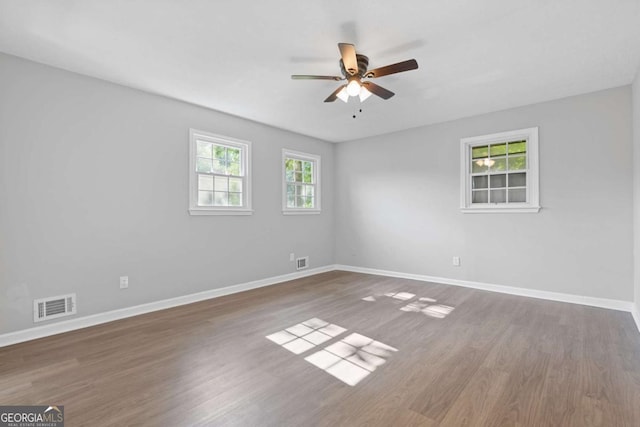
(237, 56)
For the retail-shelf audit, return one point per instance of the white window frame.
(245, 160)
(532, 190)
(291, 154)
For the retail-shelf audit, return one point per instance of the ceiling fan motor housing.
(363, 63)
(357, 71)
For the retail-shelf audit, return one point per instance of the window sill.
(301, 211)
(502, 209)
(198, 212)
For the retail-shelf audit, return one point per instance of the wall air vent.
(54, 307)
(302, 263)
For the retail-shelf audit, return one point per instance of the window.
(499, 172)
(219, 175)
(300, 183)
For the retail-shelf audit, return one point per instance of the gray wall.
(636, 188)
(94, 185)
(398, 203)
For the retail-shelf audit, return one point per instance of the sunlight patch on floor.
(404, 296)
(306, 335)
(422, 305)
(350, 360)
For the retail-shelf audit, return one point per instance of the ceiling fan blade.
(378, 90)
(310, 77)
(348, 53)
(410, 64)
(334, 95)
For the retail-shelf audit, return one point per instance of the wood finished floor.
(494, 360)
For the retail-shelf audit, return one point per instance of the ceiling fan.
(354, 70)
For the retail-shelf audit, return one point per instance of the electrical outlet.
(292, 257)
(124, 282)
(456, 261)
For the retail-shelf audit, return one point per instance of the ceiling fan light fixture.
(343, 95)
(354, 68)
(353, 88)
(364, 93)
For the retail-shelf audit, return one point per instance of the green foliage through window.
(219, 174)
(489, 180)
(218, 159)
(300, 183)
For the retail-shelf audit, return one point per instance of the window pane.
(479, 196)
(478, 152)
(517, 147)
(204, 149)
(220, 152)
(498, 196)
(220, 198)
(221, 174)
(205, 198)
(300, 177)
(498, 181)
(234, 169)
(222, 183)
(479, 166)
(308, 190)
(518, 162)
(498, 150)
(204, 165)
(517, 179)
(499, 164)
(480, 182)
(235, 199)
(499, 171)
(518, 195)
(235, 185)
(205, 182)
(308, 172)
(219, 166)
(233, 155)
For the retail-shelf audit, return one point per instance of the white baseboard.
(635, 312)
(553, 296)
(96, 319)
(109, 316)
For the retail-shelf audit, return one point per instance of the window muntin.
(500, 172)
(219, 174)
(301, 187)
(301, 182)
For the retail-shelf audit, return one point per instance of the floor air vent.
(54, 307)
(302, 263)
